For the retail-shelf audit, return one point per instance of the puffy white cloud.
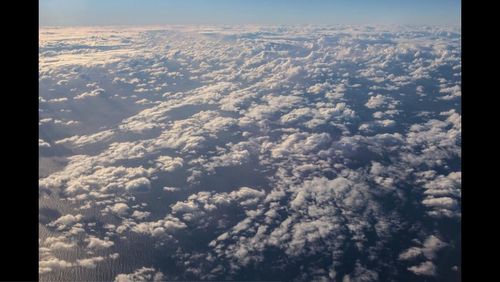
(65, 221)
(379, 101)
(451, 92)
(247, 196)
(160, 228)
(429, 249)
(170, 189)
(139, 184)
(442, 193)
(123, 151)
(169, 164)
(440, 203)
(89, 262)
(296, 115)
(58, 100)
(361, 273)
(300, 143)
(96, 243)
(140, 215)
(141, 274)
(79, 141)
(49, 264)
(85, 178)
(198, 205)
(426, 268)
(58, 243)
(92, 93)
(43, 144)
(118, 209)
(434, 141)
(318, 88)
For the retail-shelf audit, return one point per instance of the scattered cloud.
(231, 148)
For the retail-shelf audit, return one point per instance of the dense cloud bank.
(249, 153)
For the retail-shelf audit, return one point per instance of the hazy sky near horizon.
(148, 12)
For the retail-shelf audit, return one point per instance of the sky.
(151, 12)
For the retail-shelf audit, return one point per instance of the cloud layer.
(247, 153)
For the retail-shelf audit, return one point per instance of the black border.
(19, 234)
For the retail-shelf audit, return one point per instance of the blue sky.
(143, 12)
